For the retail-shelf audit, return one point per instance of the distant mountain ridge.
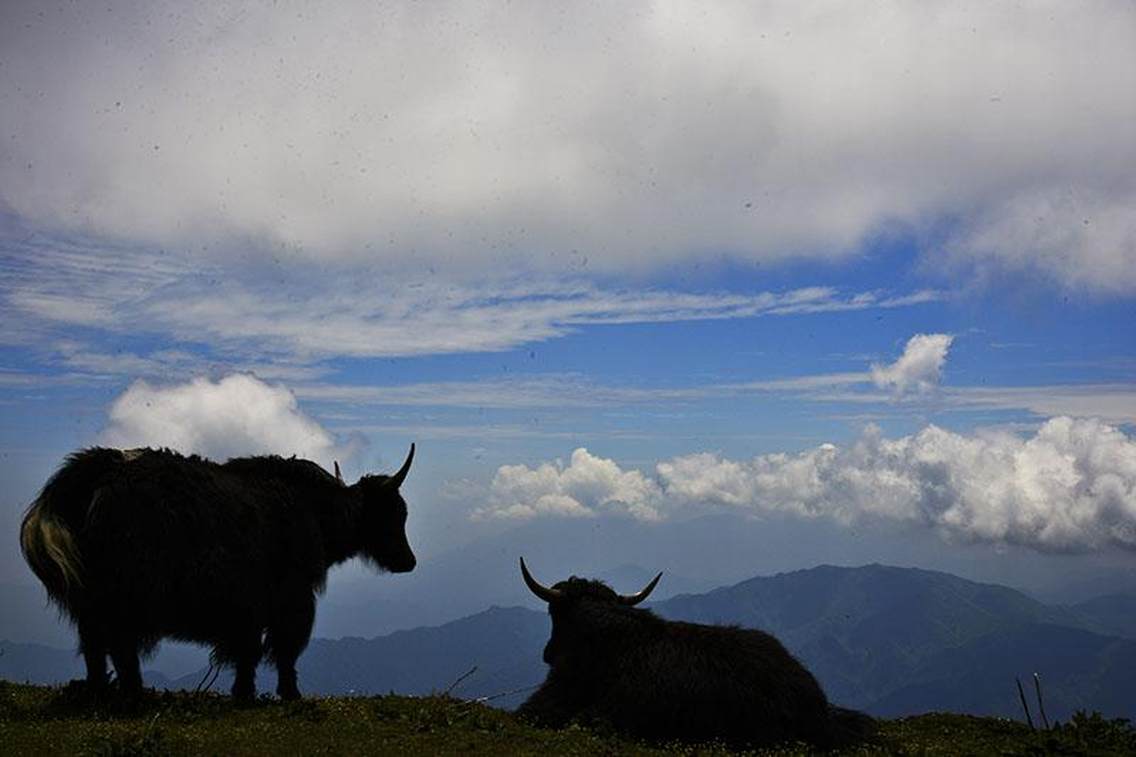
(871, 632)
(891, 641)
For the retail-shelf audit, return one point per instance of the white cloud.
(1112, 403)
(918, 368)
(539, 391)
(237, 415)
(624, 138)
(1086, 240)
(587, 486)
(1069, 487)
(308, 313)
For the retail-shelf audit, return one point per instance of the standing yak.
(140, 545)
(613, 663)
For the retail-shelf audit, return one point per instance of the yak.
(140, 545)
(624, 667)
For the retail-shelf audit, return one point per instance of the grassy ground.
(37, 720)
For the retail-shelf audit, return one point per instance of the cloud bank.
(1070, 487)
(622, 138)
(237, 415)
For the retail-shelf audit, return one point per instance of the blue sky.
(848, 268)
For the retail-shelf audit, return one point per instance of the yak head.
(589, 619)
(383, 523)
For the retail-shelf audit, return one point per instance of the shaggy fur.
(140, 546)
(662, 680)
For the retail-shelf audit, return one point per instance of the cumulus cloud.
(237, 415)
(1071, 486)
(918, 368)
(586, 487)
(624, 138)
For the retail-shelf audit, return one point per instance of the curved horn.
(535, 587)
(397, 479)
(634, 599)
(338, 475)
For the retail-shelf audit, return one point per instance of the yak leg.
(124, 655)
(246, 654)
(94, 650)
(288, 637)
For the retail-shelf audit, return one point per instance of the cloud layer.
(1069, 487)
(237, 415)
(304, 312)
(622, 138)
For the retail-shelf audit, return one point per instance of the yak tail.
(63, 508)
(49, 548)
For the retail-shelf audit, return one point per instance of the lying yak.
(615, 664)
(142, 545)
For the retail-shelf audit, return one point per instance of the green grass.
(36, 720)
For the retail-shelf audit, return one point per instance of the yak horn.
(535, 587)
(634, 599)
(338, 475)
(397, 479)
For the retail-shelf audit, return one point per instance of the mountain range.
(890, 641)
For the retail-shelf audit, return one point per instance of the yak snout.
(404, 564)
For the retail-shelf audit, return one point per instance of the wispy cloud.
(83, 360)
(917, 370)
(309, 313)
(543, 391)
(1112, 403)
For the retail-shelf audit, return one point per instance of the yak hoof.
(95, 686)
(244, 694)
(289, 693)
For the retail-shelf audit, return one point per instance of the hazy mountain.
(1079, 670)
(503, 644)
(864, 631)
(900, 641)
(37, 663)
(1113, 614)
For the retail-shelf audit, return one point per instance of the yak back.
(182, 544)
